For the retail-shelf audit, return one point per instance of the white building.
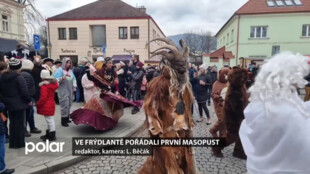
(12, 25)
(103, 28)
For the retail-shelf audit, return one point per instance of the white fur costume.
(276, 131)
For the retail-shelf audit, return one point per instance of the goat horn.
(169, 47)
(167, 41)
(163, 53)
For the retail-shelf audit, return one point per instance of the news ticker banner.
(135, 146)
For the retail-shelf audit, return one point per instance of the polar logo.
(44, 147)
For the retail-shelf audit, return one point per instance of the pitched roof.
(261, 7)
(102, 9)
(222, 53)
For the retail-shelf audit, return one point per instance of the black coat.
(14, 90)
(137, 79)
(201, 92)
(213, 76)
(78, 73)
(36, 74)
(30, 82)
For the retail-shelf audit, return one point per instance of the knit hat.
(140, 64)
(100, 59)
(14, 64)
(45, 74)
(27, 65)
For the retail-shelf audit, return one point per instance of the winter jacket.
(137, 78)
(46, 103)
(30, 82)
(36, 74)
(201, 91)
(14, 91)
(78, 73)
(213, 76)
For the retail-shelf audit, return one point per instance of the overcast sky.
(172, 16)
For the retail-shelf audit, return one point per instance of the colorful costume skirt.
(103, 112)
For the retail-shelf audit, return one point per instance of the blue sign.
(103, 48)
(36, 41)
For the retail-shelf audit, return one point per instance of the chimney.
(142, 9)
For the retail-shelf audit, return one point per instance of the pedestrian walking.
(67, 85)
(46, 103)
(202, 83)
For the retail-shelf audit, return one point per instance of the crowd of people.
(37, 85)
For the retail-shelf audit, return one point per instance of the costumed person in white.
(275, 132)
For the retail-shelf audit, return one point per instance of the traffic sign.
(36, 41)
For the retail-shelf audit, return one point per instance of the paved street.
(205, 162)
(48, 161)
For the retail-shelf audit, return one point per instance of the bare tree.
(34, 21)
(199, 43)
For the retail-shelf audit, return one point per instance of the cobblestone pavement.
(205, 162)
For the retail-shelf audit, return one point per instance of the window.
(232, 35)
(297, 2)
(62, 33)
(271, 3)
(275, 49)
(73, 33)
(279, 3)
(306, 30)
(134, 32)
(224, 41)
(122, 32)
(288, 2)
(259, 32)
(214, 59)
(98, 35)
(5, 23)
(154, 34)
(227, 39)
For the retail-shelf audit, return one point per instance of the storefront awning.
(118, 58)
(7, 45)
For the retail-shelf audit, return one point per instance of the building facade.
(112, 29)
(12, 30)
(263, 28)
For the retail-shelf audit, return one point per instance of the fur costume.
(275, 131)
(218, 101)
(235, 102)
(168, 112)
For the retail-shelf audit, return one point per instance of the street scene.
(132, 86)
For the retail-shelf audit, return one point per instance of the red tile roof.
(102, 9)
(261, 7)
(222, 53)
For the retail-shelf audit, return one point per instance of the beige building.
(103, 28)
(11, 25)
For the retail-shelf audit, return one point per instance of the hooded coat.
(14, 91)
(46, 103)
(66, 87)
